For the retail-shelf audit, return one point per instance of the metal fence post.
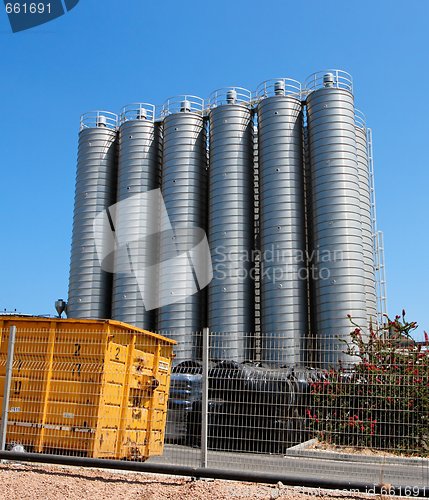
(7, 384)
(205, 398)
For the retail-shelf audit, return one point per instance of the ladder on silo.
(378, 241)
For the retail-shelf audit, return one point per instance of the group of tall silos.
(279, 182)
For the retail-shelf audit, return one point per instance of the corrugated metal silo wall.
(184, 189)
(231, 232)
(336, 218)
(367, 233)
(89, 286)
(138, 172)
(282, 230)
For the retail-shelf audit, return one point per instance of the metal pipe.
(7, 383)
(250, 476)
(205, 399)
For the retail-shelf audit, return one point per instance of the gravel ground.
(323, 446)
(21, 482)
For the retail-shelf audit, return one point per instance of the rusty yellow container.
(87, 387)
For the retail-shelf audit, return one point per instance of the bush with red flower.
(383, 401)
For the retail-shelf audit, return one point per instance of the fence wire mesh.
(114, 393)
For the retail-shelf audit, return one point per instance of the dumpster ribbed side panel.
(184, 189)
(89, 286)
(282, 229)
(138, 172)
(87, 387)
(231, 231)
(367, 236)
(336, 217)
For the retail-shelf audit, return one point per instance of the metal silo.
(366, 217)
(90, 286)
(282, 222)
(138, 173)
(339, 281)
(231, 224)
(184, 189)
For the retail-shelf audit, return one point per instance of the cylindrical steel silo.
(89, 285)
(184, 189)
(366, 217)
(138, 173)
(336, 214)
(282, 222)
(231, 224)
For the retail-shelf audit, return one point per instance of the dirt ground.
(323, 446)
(22, 482)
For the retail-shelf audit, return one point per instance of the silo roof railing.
(230, 95)
(360, 119)
(329, 78)
(182, 104)
(94, 119)
(138, 111)
(279, 86)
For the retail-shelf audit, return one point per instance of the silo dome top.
(279, 86)
(138, 111)
(99, 119)
(329, 78)
(183, 104)
(230, 95)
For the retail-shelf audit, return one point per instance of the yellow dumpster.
(86, 387)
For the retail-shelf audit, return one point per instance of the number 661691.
(28, 8)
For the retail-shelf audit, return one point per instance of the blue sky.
(107, 53)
